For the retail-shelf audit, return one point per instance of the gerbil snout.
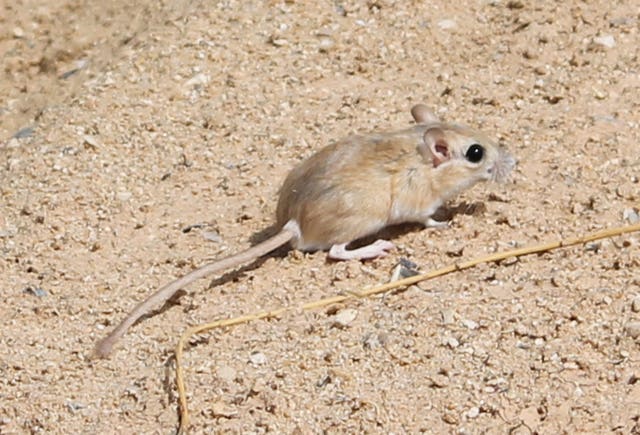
(502, 167)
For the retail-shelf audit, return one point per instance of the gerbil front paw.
(432, 223)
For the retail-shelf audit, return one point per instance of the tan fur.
(356, 187)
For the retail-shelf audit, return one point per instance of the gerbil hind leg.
(378, 248)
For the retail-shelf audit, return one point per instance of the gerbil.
(354, 188)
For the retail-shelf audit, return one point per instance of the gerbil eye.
(474, 153)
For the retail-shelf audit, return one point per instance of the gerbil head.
(464, 156)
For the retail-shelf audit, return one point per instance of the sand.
(139, 140)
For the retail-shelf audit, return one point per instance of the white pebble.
(212, 236)
(631, 215)
(90, 140)
(452, 342)
(447, 316)
(605, 40)
(326, 44)
(124, 196)
(446, 24)
(345, 317)
(473, 412)
(227, 373)
(279, 42)
(197, 80)
(257, 358)
(632, 329)
(470, 324)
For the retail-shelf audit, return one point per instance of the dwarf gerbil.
(357, 186)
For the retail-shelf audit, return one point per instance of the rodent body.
(338, 195)
(354, 188)
(358, 186)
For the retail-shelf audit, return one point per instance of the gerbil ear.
(422, 115)
(434, 147)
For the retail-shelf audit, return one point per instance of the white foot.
(432, 223)
(378, 248)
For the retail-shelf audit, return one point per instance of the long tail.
(105, 346)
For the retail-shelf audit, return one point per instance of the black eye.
(474, 153)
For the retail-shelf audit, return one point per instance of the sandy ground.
(122, 124)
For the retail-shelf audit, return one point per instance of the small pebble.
(621, 21)
(325, 44)
(509, 261)
(635, 304)
(632, 329)
(197, 80)
(24, 132)
(605, 40)
(259, 386)
(35, 291)
(570, 365)
(470, 324)
(627, 190)
(279, 42)
(227, 373)
(414, 289)
(446, 24)
(405, 262)
(323, 381)
(74, 406)
(188, 228)
(593, 246)
(345, 317)
(450, 418)
(631, 215)
(257, 358)
(371, 341)
(221, 409)
(473, 412)
(447, 316)
(439, 381)
(212, 236)
(90, 141)
(497, 382)
(401, 272)
(452, 342)
(124, 196)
